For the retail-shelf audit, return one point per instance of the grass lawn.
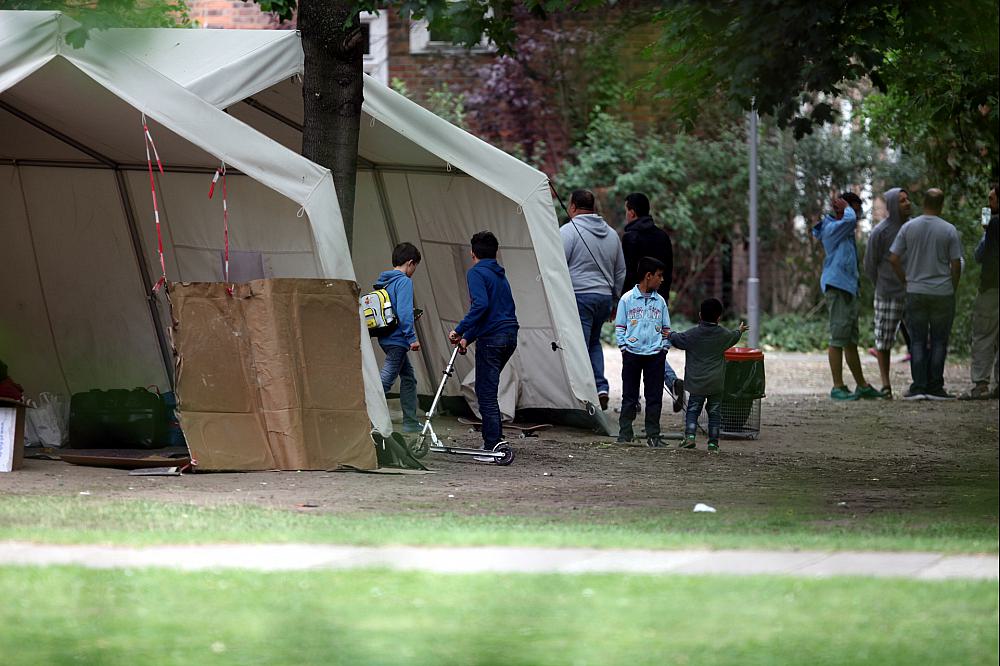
(137, 522)
(66, 615)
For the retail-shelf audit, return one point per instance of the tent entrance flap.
(129, 213)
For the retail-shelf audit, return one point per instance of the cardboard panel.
(227, 442)
(270, 378)
(218, 406)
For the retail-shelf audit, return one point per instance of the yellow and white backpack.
(378, 313)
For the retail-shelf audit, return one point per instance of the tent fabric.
(72, 164)
(421, 179)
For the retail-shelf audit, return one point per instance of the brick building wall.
(233, 14)
(428, 68)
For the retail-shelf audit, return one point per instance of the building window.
(375, 28)
(366, 36)
(425, 40)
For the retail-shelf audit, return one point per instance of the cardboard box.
(11, 434)
(270, 378)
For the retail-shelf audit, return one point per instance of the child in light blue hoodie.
(403, 339)
(641, 328)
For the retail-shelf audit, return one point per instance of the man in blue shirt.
(840, 286)
(492, 324)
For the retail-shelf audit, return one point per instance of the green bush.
(794, 332)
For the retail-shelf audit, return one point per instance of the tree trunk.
(332, 93)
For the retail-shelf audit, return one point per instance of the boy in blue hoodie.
(641, 328)
(492, 323)
(403, 339)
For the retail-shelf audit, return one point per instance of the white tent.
(80, 246)
(421, 179)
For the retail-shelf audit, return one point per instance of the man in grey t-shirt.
(926, 255)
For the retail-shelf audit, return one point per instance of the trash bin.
(744, 389)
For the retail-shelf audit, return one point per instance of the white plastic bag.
(48, 423)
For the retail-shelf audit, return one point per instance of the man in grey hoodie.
(597, 271)
(890, 293)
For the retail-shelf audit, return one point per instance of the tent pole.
(151, 300)
(53, 132)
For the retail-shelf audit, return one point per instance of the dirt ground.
(874, 455)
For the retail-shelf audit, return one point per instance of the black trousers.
(650, 370)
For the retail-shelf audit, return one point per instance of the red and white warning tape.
(221, 173)
(148, 138)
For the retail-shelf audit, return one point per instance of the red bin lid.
(744, 354)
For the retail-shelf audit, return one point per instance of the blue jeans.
(695, 404)
(669, 376)
(929, 319)
(594, 310)
(650, 370)
(492, 354)
(397, 364)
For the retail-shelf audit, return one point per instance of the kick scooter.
(428, 440)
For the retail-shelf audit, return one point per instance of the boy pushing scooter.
(492, 324)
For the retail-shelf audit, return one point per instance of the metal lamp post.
(753, 281)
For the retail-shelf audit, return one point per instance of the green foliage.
(283, 9)
(938, 59)
(98, 14)
(441, 100)
(794, 333)
(447, 104)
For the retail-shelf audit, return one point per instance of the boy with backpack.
(705, 370)
(641, 327)
(491, 323)
(402, 338)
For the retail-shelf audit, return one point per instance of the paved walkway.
(297, 557)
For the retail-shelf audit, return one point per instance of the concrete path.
(299, 557)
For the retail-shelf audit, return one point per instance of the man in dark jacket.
(985, 319)
(491, 323)
(643, 238)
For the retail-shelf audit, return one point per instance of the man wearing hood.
(890, 293)
(644, 238)
(402, 339)
(597, 271)
(840, 286)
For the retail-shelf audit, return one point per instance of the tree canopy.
(935, 63)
